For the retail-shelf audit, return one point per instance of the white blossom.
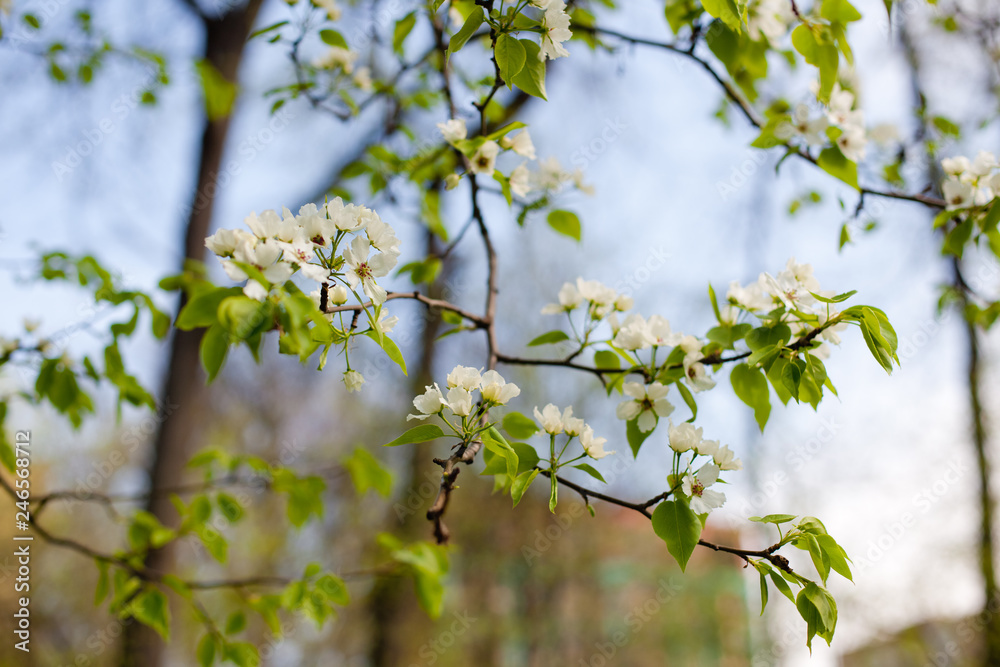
(569, 299)
(520, 180)
(453, 130)
(460, 401)
(466, 377)
(592, 445)
(337, 57)
(647, 403)
(684, 437)
(484, 160)
(726, 459)
(496, 390)
(364, 269)
(520, 143)
(225, 241)
(431, 402)
(555, 25)
(958, 194)
(550, 419)
(353, 380)
(703, 499)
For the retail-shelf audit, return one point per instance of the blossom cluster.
(279, 245)
(769, 19)
(462, 383)
(970, 182)
(555, 29)
(481, 158)
(555, 421)
(686, 438)
(601, 300)
(841, 113)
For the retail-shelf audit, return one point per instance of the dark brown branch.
(643, 508)
(478, 320)
(747, 110)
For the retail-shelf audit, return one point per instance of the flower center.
(697, 488)
(364, 271)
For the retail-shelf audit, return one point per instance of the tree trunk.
(184, 388)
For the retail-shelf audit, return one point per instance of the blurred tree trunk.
(986, 552)
(979, 439)
(387, 604)
(184, 388)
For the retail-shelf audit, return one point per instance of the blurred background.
(680, 201)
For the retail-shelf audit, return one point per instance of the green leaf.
(776, 519)
(607, 359)
(202, 309)
(750, 386)
(510, 56)
(206, 651)
(839, 11)
(333, 589)
(273, 26)
(421, 433)
(554, 493)
(833, 162)
(677, 525)
(103, 583)
(836, 556)
(566, 223)
(230, 507)
(236, 622)
(726, 10)
(590, 470)
(992, 217)
(714, 302)
(496, 443)
(519, 426)
(835, 299)
(389, 347)
(527, 457)
(213, 349)
(763, 591)
(822, 55)
(150, 608)
(368, 473)
(402, 30)
(469, 28)
(763, 337)
(549, 338)
(782, 586)
(531, 78)
(635, 437)
(688, 399)
(333, 38)
(819, 610)
(220, 93)
(521, 484)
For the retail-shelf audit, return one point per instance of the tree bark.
(184, 391)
